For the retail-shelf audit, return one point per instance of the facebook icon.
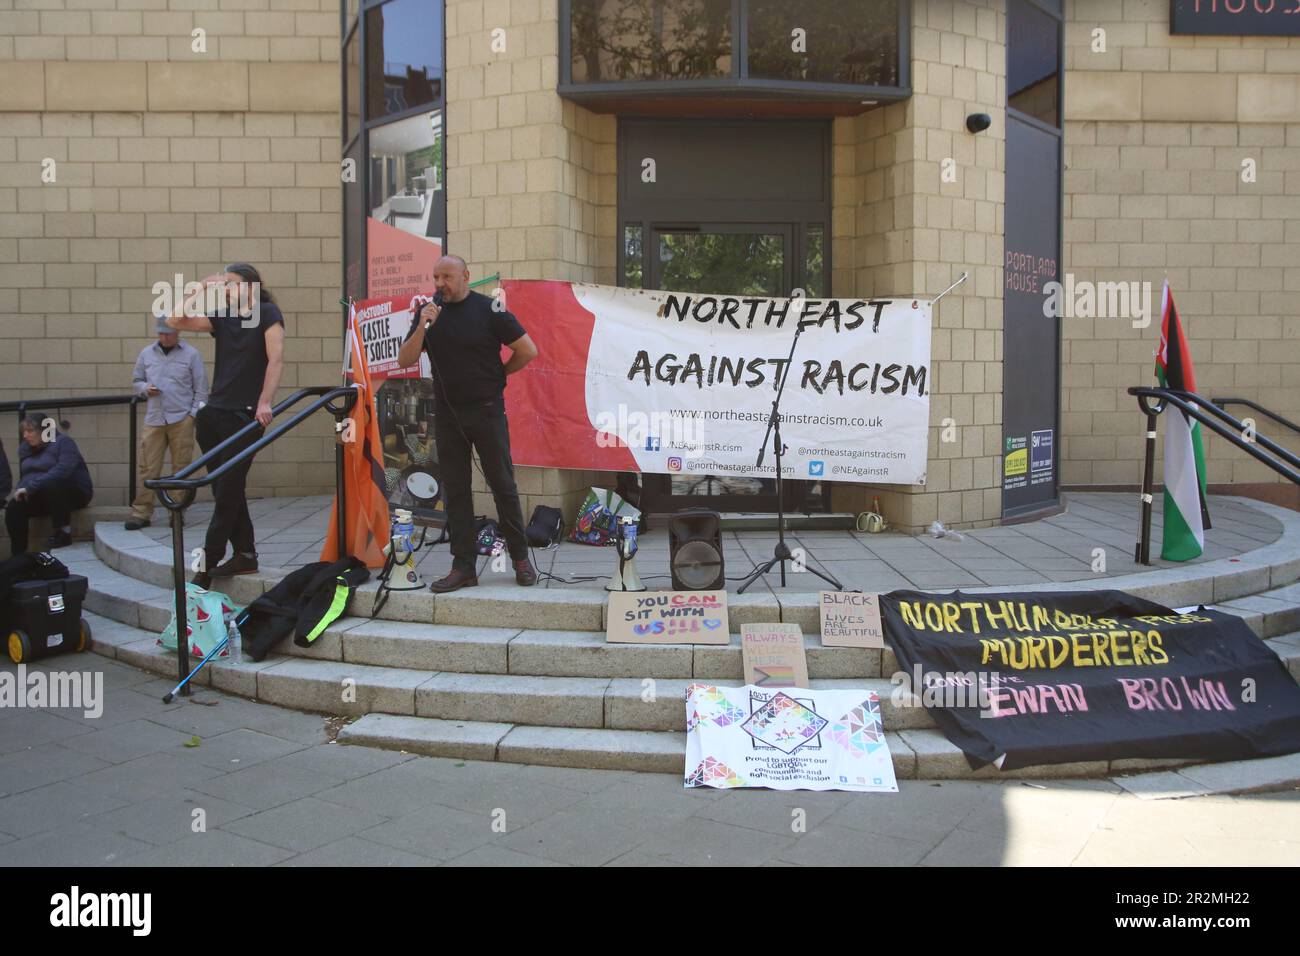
(652, 443)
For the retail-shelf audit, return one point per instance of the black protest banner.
(1090, 675)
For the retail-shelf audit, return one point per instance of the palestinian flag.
(1185, 515)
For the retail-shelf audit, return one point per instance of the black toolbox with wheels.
(41, 618)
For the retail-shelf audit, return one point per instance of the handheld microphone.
(437, 300)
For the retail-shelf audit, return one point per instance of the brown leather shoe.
(525, 576)
(454, 582)
(239, 564)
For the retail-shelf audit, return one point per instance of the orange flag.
(366, 517)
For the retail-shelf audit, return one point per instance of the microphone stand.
(782, 552)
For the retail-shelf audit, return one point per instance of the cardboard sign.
(667, 617)
(850, 619)
(773, 655)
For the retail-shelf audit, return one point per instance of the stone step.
(504, 650)
(387, 702)
(617, 704)
(541, 653)
(561, 608)
(1269, 613)
(918, 754)
(341, 687)
(137, 556)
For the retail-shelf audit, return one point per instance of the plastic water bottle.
(234, 643)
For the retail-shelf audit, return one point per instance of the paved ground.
(124, 790)
(290, 532)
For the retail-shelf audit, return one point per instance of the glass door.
(726, 259)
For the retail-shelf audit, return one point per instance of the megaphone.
(400, 552)
(625, 577)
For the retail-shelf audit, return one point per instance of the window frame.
(365, 124)
(1023, 512)
(739, 82)
(1059, 17)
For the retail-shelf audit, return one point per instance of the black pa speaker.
(695, 550)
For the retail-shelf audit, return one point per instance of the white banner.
(792, 739)
(686, 381)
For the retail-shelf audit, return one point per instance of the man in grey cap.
(171, 375)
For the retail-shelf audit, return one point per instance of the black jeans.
(230, 521)
(57, 498)
(483, 426)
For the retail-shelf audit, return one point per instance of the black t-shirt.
(464, 349)
(241, 358)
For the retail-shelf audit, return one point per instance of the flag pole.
(960, 279)
(1143, 555)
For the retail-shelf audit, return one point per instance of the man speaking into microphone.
(462, 334)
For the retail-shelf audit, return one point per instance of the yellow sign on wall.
(1016, 463)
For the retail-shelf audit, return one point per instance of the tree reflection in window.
(726, 263)
(814, 261)
(632, 257)
(616, 40)
(840, 43)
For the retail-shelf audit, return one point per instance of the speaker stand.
(782, 552)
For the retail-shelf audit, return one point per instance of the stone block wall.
(163, 160)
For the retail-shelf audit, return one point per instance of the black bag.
(43, 617)
(32, 566)
(546, 527)
(487, 534)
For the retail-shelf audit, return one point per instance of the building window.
(633, 256)
(853, 53)
(395, 210)
(615, 40)
(1033, 61)
(403, 57)
(814, 261)
(354, 225)
(825, 41)
(739, 262)
(406, 224)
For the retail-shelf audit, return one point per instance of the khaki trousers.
(157, 440)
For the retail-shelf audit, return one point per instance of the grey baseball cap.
(160, 324)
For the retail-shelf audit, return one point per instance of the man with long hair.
(249, 332)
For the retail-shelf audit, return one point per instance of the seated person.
(53, 480)
(6, 476)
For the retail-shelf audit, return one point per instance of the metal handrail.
(1192, 404)
(1197, 407)
(23, 405)
(338, 400)
(1259, 408)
